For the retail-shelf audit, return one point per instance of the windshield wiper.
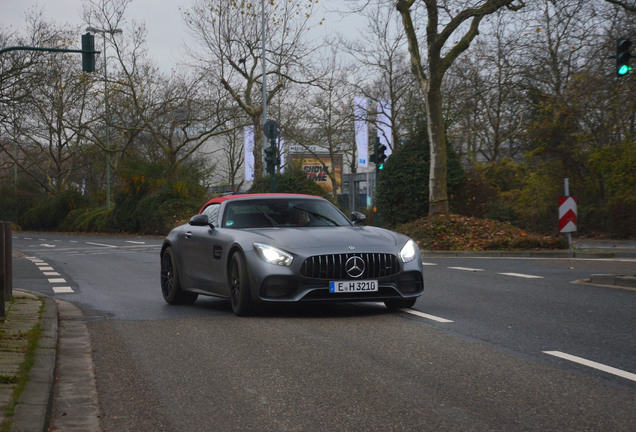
(272, 221)
(318, 215)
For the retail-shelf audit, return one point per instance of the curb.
(612, 279)
(33, 410)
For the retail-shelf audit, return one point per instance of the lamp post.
(106, 111)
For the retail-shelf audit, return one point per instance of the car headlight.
(272, 255)
(408, 252)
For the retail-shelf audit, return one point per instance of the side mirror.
(200, 220)
(357, 217)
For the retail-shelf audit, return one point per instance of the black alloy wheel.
(240, 296)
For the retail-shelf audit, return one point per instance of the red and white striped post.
(567, 213)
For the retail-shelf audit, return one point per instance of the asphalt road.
(494, 344)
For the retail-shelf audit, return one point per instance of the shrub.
(402, 185)
(50, 214)
(459, 233)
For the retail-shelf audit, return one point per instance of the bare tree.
(380, 51)
(229, 35)
(179, 112)
(465, 24)
(47, 109)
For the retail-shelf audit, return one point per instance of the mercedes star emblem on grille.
(355, 266)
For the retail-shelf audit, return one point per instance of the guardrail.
(6, 278)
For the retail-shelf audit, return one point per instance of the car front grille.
(333, 267)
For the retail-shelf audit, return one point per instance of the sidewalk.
(33, 408)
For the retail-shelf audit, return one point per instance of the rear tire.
(240, 295)
(400, 303)
(170, 285)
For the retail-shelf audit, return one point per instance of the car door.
(201, 251)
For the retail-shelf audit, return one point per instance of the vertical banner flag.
(361, 130)
(281, 152)
(385, 128)
(248, 137)
(567, 214)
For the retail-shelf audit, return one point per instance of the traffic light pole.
(26, 48)
(272, 146)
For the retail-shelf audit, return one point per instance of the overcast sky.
(167, 32)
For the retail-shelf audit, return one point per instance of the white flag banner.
(361, 130)
(281, 152)
(248, 137)
(385, 128)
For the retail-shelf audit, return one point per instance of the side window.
(213, 213)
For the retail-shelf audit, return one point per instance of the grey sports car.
(287, 248)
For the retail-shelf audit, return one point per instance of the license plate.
(353, 286)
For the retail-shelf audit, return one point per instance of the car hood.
(329, 238)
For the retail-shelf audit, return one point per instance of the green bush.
(402, 185)
(49, 214)
(87, 219)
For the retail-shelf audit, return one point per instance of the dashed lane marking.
(102, 244)
(466, 269)
(427, 316)
(57, 280)
(521, 275)
(589, 363)
(63, 290)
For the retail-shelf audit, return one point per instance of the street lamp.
(103, 33)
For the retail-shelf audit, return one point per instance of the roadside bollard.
(8, 259)
(2, 262)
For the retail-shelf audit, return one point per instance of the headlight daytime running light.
(408, 252)
(272, 255)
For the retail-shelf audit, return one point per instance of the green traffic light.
(624, 70)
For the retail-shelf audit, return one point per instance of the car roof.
(219, 200)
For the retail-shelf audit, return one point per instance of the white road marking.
(63, 290)
(51, 273)
(101, 244)
(136, 242)
(57, 280)
(419, 314)
(466, 269)
(428, 264)
(40, 263)
(618, 372)
(521, 275)
(47, 245)
(49, 268)
(427, 316)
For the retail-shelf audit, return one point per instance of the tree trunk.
(437, 184)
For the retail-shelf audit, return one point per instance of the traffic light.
(623, 55)
(88, 52)
(380, 156)
(271, 159)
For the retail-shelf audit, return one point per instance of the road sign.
(567, 214)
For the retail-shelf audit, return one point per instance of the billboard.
(318, 168)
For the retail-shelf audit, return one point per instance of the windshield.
(282, 212)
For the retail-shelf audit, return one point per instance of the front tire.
(400, 303)
(170, 285)
(240, 296)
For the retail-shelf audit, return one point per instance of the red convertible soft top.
(221, 199)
